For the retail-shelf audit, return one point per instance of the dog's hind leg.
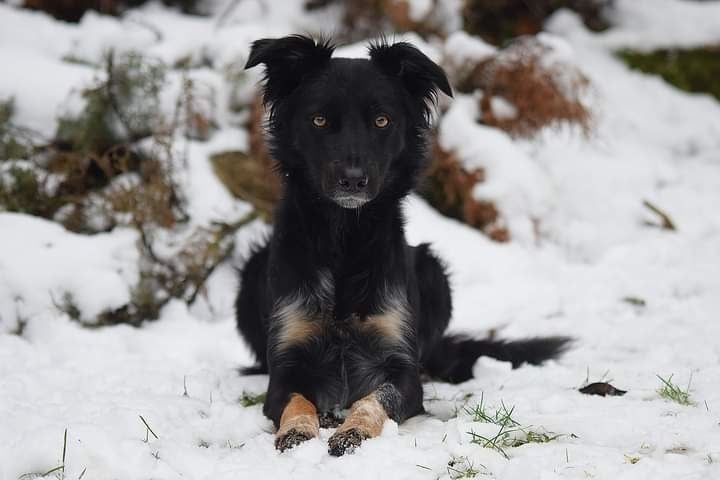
(434, 299)
(251, 309)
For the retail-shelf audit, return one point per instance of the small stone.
(603, 389)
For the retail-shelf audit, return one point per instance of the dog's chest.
(348, 362)
(343, 339)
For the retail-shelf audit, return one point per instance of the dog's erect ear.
(287, 61)
(420, 75)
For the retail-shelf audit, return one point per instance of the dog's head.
(348, 128)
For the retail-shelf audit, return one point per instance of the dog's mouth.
(351, 201)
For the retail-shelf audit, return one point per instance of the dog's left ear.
(420, 75)
(287, 61)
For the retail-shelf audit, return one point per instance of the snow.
(419, 9)
(41, 263)
(580, 246)
(514, 180)
(647, 24)
(461, 51)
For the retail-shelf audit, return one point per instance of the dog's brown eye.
(319, 121)
(382, 121)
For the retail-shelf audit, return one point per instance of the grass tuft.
(248, 399)
(532, 436)
(59, 471)
(511, 432)
(501, 416)
(694, 70)
(671, 391)
(462, 467)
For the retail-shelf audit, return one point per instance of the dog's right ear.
(422, 77)
(287, 61)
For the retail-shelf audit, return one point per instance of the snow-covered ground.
(580, 247)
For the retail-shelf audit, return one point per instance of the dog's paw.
(345, 441)
(290, 439)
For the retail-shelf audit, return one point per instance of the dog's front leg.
(296, 323)
(365, 420)
(298, 423)
(367, 416)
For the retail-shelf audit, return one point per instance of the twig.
(148, 429)
(667, 223)
(58, 468)
(64, 451)
(61, 467)
(225, 230)
(231, 6)
(133, 136)
(152, 28)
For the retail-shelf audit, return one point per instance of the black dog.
(337, 307)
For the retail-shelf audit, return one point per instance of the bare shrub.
(73, 10)
(251, 177)
(370, 18)
(112, 163)
(540, 91)
(449, 186)
(497, 21)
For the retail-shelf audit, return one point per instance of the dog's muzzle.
(351, 201)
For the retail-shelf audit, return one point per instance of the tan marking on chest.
(295, 326)
(391, 324)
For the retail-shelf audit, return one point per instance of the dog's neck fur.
(332, 228)
(362, 248)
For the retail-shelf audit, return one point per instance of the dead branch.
(666, 222)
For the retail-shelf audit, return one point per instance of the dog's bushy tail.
(453, 357)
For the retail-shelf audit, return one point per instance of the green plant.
(510, 434)
(23, 190)
(248, 399)
(692, 70)
(59, 471)
(121, 108)
(673, 392)
(462, 467)
(16, 143)
(501, 416)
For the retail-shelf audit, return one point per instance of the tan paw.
(291, 438)
(345, 441)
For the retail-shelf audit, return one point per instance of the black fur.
(364, 311)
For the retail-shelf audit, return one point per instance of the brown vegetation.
(449, 187)
(497, 21)
(73, 10)
(371, 18)
(252, 176)
(542, 92)
(95, 175)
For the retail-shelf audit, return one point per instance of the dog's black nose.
(353, 180)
